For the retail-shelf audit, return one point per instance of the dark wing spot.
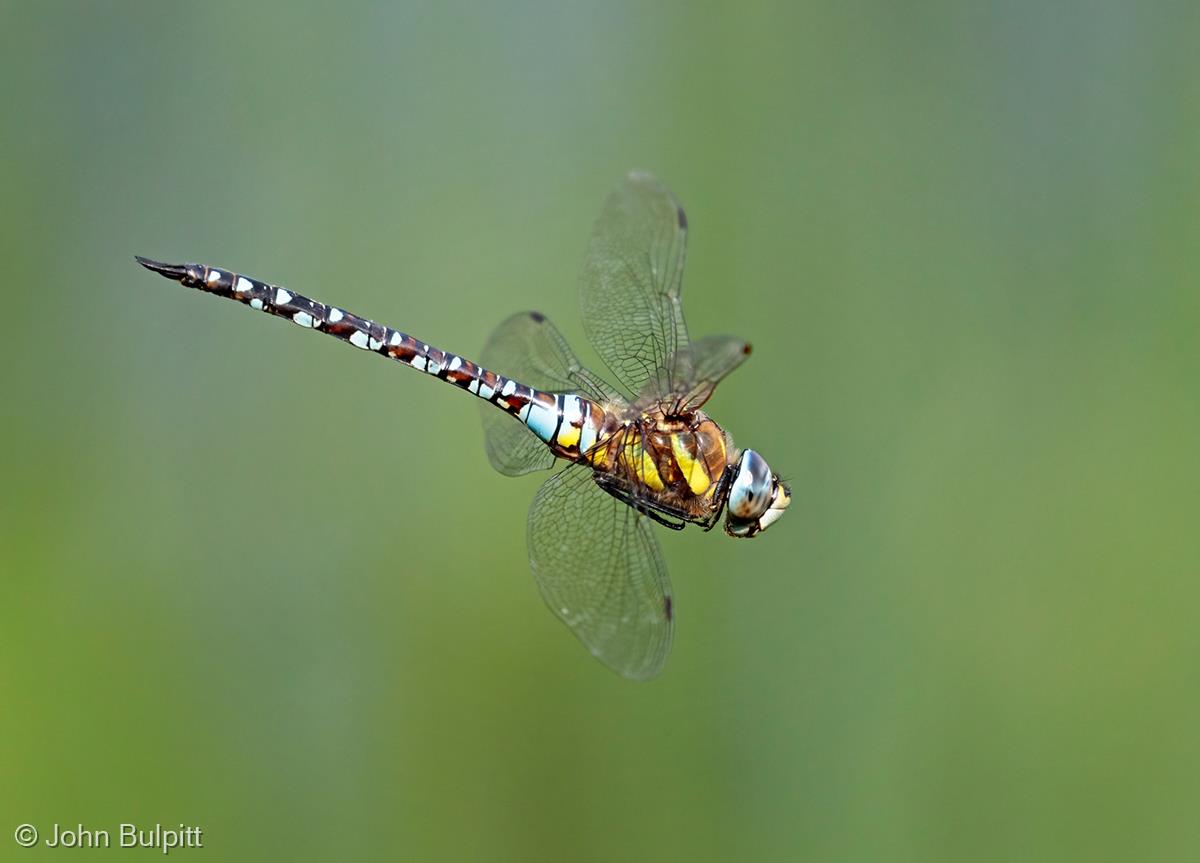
(746, 349)
(537, 316)
(667, 608)
(682, 217)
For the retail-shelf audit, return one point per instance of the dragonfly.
(636, 454)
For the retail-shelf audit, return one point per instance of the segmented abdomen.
(569, 424)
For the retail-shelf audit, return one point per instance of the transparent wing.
(511, 447)
(600, 570)
(529, 349)
(632, 281)
(697, 369)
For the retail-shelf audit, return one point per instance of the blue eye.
(750, 494)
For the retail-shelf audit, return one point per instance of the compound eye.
(750, 494)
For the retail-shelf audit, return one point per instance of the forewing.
(698, 368)
(529, 349)
(632, 282)
(599, 568)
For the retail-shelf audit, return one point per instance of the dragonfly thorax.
(672, 463)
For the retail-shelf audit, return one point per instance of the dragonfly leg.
(721, 495)
(647, 511)
(641, 506)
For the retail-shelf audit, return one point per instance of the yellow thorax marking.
(692, 469)
(598, 454)
(642, 464)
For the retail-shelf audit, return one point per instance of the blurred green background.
(235, 589)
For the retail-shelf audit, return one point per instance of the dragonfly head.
(757, 498)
